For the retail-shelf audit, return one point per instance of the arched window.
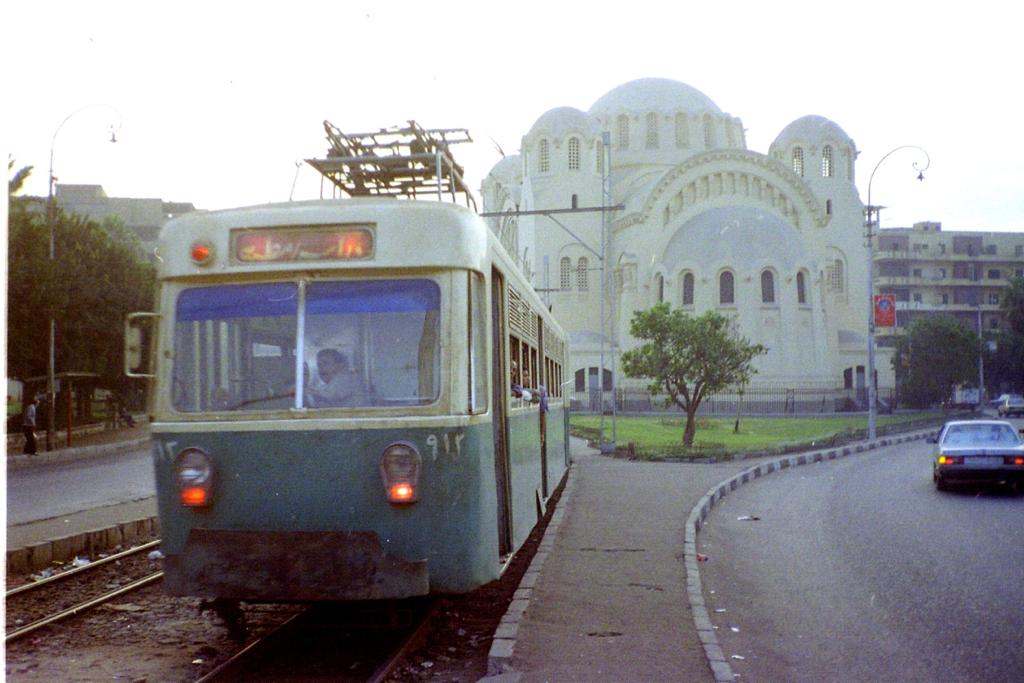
(709, 132)
(544, 154)
(565, 273)
(798, 161)
(659, 287)
(688, 289)
(581, 273)
(827, 168)
(726, 294)
(767, 287)
(623, 123)
(835, 275)
(652, 131)
(828, 207)
(801, 289)
(574, 154)
(682, 130)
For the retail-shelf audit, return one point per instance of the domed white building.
(774, 240)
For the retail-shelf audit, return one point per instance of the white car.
(975, 451)
(1002, 397)
(1010, 406)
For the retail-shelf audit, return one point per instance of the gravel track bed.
(147, 636)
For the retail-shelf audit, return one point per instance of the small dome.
(739, 237)
(654, 94)
(508, 170)
(562, 120)
(812, 129)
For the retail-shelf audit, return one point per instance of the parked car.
(1011, 406)
(1002, 397)
(978, 451)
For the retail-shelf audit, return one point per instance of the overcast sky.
(215, 102)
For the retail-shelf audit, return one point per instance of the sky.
(218, 103)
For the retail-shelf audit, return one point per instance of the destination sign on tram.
(314, 243)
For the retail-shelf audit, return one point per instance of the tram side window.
(553, 374)
(525, 367)
(515, 363)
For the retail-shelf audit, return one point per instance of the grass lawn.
(656, 436)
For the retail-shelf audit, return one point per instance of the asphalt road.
(50, 490)
(859, 570)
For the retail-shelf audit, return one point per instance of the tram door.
(546, 381)
(499, 398)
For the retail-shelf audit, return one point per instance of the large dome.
(562, 120)
(654, 94)
(737, 236)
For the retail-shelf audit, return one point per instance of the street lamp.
(872, 213)
(51, 219)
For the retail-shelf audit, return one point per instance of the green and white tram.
(344, 401)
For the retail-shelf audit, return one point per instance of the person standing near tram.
(28, 426)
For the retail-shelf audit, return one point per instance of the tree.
(96, 278)
(688, 358)
(1004, 367)
(1004, 363)
(1013, 305)
(937, 354)
(16, 182)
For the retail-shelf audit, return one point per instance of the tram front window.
(369, 343)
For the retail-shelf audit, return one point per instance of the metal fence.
(762, 400)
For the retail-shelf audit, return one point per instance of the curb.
(65, 548)
(40, 555)
(499, 659)
(716, 658)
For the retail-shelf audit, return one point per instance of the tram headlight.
(194, 470)
(400, 472)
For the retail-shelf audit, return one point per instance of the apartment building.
(144, 216)
(962, 274)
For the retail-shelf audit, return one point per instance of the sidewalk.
(34, 545)
(98, 441)
(614, 592)
(610, 604)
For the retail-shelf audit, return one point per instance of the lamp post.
(981, 357)
(51, 219)
(871, 222)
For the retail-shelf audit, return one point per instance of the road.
(859, 570)
(50, 490)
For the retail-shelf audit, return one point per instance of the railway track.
(326, 643)
(339, 643)
(25, 603)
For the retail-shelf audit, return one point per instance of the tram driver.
(336, 385)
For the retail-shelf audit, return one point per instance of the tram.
(351, 399)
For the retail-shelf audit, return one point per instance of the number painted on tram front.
(449, 444)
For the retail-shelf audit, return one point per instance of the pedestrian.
(28, 426)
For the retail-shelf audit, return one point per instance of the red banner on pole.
(885, 310)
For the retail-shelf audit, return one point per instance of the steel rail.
(411, 642)
(81, 607)
(77, 570)
(238, 659)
